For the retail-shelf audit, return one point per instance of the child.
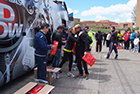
(136, 42)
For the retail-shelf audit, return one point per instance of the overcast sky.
(113, 10)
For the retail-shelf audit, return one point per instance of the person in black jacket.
(99, 38)
(82, 47)
(113, 44)
(68, 51)
(58, 37)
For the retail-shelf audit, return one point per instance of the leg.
(79, 65)
(85, 67)
(116, 51)
(97, 46)
(110, 50)
(64, 59)
(56, 59)
(100, 45)
(70, 60)
(41, 65)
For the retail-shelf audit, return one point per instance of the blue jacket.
(41, 44)
(132, 35)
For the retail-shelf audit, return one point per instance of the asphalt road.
(107, 76)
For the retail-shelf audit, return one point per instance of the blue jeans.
(41, 67)
(56, 58)
(136, 48)
(132, 43)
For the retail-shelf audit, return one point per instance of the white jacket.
(108, 36)
(136, 41)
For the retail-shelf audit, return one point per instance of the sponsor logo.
(9, 21)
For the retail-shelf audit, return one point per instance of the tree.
(134, 14)
(93, 25)
(77, 23)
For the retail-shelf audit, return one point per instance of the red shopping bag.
(89, 59)
(74, 52)
(35, 90)
(54, 50)
(119, 47)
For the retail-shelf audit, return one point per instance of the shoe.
(74, 64)
(57, 75)
(116, 57)
(79, 75)
(75, 69)
(87, 76)
(70, 74)
(83, 69)
(41, 81)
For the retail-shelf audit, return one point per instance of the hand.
(65, 42)
(90, 47)
(80, 33)
(115, 44)
(85, 53)
(53, 46)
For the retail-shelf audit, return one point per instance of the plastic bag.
(74, 52)
(89, 59)
(119, 47)
(35, 90)
(55, 43)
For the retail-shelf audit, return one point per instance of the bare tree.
(134, 14)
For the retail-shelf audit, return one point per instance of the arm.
(90, 34)
(42, 43)
(85, 40)
(72, 38)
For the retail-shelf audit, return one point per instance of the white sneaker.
(57, 75)
(74, 64)
(75, 69)
(70, 74)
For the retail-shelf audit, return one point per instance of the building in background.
(138, 14)
(76, 20)
(105, 24)
(126, 25)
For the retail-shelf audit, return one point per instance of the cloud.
(74, 11)
(99, 17)
(126, 15)
(112, 10)
(117, 20)
(128, 20)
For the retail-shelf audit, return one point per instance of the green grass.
(102, 30)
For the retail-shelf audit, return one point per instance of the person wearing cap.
(41, 49)
(82, 47)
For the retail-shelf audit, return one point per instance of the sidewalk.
(107, 76)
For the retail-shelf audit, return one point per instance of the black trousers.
(126, 44)
(79, 56)
(107, 43)
(67, 55)
(99, 45)
(111, 48)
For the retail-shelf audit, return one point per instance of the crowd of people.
(84, 42)
(83, 39)
(129, 40)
